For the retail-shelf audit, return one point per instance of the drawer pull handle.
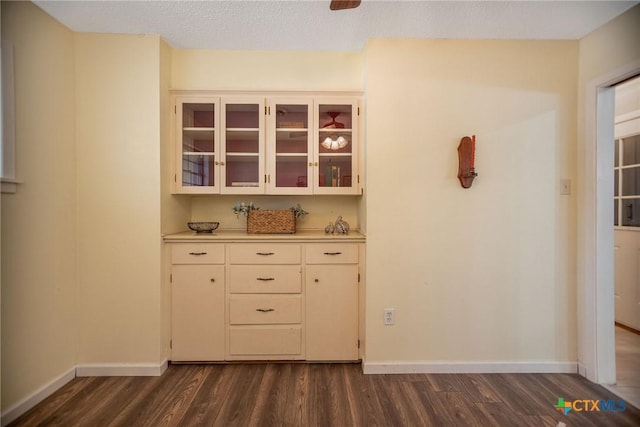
(333, 253)
(212, 280)
(264, 253)
(197, 253)
(265, 310)
(265, 279)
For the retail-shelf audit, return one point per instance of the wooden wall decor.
(466, 159)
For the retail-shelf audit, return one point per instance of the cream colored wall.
(267, 70)
(322, 209)
(39, 221)
(479, 274)
(628, 97)
(271, 71)
(119, 197)
(176, 210)
(2, 174)
(609, 47)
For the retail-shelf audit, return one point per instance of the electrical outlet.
(389, 316)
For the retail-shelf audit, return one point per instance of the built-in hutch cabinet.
(245, 297)
(279, 298)
(266, 144)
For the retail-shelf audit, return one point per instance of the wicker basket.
(281, 221)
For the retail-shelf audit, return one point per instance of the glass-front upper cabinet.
(198, 147)
(290, 147)
(627, 182)
(287, 144)
(336, 139)
(242, 146)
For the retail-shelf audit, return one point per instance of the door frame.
(596, 304)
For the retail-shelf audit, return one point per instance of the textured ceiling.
(310, 25)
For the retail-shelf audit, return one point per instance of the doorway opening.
(626, 230)
(596, 331)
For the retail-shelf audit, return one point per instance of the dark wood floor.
(285, 394)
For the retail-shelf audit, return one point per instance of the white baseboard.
(121, 369)
(12, 413)
(440, 367)
(88, 370)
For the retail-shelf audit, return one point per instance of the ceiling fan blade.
(344, 4)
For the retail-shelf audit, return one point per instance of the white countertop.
(241, 235)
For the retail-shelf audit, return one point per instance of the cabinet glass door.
(336, 163)
(197, 171)
(627, 182)
(290, 147)
(243, 136)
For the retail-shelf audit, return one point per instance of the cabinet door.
(332, 312)
(197, 313)
(289, 147)
(336, 146)
(243, 140)
(627, 277)
(197, 147)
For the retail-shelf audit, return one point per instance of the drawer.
(261, 340)
(264, 253)
(264, 309)
(332, 253)
(265, 279)
(197, 253)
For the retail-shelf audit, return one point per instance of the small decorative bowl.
(203, 227)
